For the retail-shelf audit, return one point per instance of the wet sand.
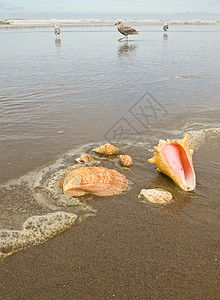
(129, 250)
(58, 96)
(125, 252)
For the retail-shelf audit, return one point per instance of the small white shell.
(156, 195)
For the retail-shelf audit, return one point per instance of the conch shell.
(126, 160)
(106, 149)
(99, 181)
(175, 160)
(84, 158)
(156, 195)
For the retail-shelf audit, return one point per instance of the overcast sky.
(51, 8)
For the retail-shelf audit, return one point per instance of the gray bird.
(125, 30)
(57, 30)
(165, 27)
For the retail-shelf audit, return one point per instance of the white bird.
(165, 27)
(125, 30)
(57, 30)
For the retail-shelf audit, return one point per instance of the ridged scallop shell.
(99, 181)
(84, 158)
(175, 160)
(126, 160)
(106, 149)
(156, 195)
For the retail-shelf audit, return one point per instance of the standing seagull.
(125, 30)
(165, 27)
(57, 30)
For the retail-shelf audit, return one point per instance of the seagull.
(57, 30)
(125, 30)
(165, 27)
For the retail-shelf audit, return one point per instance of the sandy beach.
(61, 97)
(125, 252)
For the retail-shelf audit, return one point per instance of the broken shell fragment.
(126, 160)
(175, 160)
(156, 195)
(99, 181)
(84, 158)
(106, 149)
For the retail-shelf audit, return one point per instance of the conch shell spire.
(175, 160)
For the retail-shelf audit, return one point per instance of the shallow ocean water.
(60, 97)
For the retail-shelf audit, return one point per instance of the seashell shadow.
(180, 199)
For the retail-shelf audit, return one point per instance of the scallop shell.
(175, 160)
(126, 160)
(106, 149)
(156, 195)
(99, 181)
(84, 158)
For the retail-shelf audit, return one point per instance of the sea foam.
(44, 23)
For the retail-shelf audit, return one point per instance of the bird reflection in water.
(58, 42)
(57, 32)
(165, 36)
(126, 50)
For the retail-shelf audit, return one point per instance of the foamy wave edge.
(47, 23)
(36, 230)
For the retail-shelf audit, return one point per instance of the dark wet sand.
(122, 253)
(129, 250)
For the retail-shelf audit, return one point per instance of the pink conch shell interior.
(179, 163)
(174, 159)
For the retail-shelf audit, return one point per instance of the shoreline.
(48, 23)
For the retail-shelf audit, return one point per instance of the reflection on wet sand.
(165, 36)
(180, 198)
(126, 50)
(58, 42)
